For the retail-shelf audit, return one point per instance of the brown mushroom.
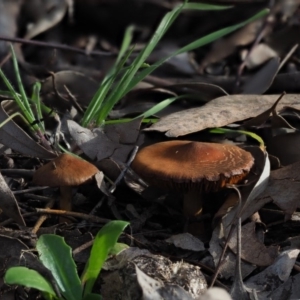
(64, 172)
(194, 168)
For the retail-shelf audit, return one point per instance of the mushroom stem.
(192, 203)
(65, 202)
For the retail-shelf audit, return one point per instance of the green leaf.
(194, 45)
(159, 106)
(104, 241)
(92, 296)
(118, 247)
(29, 278)
(138, 62)
(249, 133)
(20, 84)
(204, 6)
(56, 255)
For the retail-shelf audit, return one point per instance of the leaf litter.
(260, 62)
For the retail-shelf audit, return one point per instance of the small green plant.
(56, 255)
(111, 90)
(121, 78)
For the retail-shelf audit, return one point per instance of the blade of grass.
(249, 133)
(204, 6)
(159, 107)
(36, 100)
(125, 43)
(96, 103)
(118, 92)
(196, 44)
(126, 120)
(24, 98)
(17, 98)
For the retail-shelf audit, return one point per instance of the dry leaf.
(13, 136)
(220, 112)
(284, 188)
(273, 276)
(253, 250)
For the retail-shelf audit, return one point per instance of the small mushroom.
(65, 171)
(194, 168)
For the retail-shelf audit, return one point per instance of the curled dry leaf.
(114, 141)
(159, 270)
(46, 14)
(253, 250)
(228, 267)
(273, 276)
(288, 290)
(186, 241)
(80, 86)
(226, 46)
(13, 136)
(284, 188)
(220, 112)
(154, 289)
(262, 80)
(288, 154)
(9, 204)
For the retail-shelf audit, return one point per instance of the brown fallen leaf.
(288, 154)
(220, 112)
(262, 80)
(273, 276)
(284, 188)
(226, 46)
(9, 204)
(114, 141)
(228, 266)
(45, 15)
(253, 250)
(13, 136)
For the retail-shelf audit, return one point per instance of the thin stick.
(55, 46)
(233, 225)
(72, 214)
(42, 218)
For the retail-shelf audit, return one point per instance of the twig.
(55, 46)
(42, 218)
(90, 218)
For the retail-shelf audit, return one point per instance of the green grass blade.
(17, 98)
(103, 112)
(29, 278)
(196, 44)
(164, 25)
(56, 255)
(37, 101)
(95, 105)
(96, 101)
(159, 106)
(6, 93)
(20, 84)
(92, 297)
(249, 133)
(126, 42)
(204, 6)
(104, 241)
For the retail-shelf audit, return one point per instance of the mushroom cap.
(64, 170)
(187, 165)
